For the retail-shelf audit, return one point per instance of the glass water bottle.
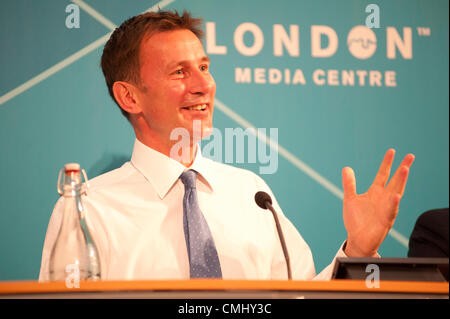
(74, 252)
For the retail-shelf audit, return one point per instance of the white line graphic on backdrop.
(77, 55)
(221, 106)
(52, 70)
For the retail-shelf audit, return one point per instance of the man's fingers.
(394, 203)
(398, 181)
(348, 182)
(408, 160)
(385, 168)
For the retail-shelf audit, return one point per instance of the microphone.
(264, 201)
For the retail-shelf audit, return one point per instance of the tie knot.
(188, 178)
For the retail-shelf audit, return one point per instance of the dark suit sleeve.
(430, 237)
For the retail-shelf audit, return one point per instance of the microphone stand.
(280, 235)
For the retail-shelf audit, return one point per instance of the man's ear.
(126, 95)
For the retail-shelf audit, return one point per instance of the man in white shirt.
(158, 73)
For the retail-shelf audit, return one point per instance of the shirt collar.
(162, 171)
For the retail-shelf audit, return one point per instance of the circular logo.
(361, 42)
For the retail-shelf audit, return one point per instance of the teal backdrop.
(55, 109)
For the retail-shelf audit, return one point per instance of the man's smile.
(196, 107)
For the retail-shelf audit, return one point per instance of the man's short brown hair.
(120, 58)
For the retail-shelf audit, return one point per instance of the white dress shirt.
(135, 216)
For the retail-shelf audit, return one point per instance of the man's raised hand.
(368, 217)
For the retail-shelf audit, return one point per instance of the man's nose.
(201, 83)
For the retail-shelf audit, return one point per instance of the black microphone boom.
(264, 201)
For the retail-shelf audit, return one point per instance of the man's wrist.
(351, 251)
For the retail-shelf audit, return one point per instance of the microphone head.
(261, 198)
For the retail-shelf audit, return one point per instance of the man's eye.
(204, 67)
(178, 71)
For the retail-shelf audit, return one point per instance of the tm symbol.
(424, 31)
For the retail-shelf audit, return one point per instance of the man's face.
(178, 87)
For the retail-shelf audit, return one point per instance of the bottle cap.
(72, 167)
